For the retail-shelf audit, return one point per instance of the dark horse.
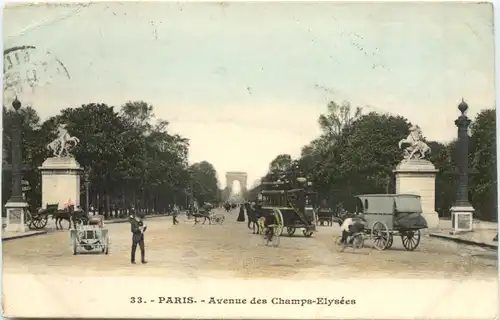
(69, 214)
(253, 214)
(203, 212)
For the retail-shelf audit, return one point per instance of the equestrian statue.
(414, 146)
(64, 141)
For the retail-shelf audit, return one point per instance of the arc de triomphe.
(233, 176)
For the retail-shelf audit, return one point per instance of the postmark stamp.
(27, 67)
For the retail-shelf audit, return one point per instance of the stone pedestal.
(419, 177)
(60, 181)
(15, 217)
(461, 219)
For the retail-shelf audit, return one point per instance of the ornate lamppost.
(16, 205)
(462, 210)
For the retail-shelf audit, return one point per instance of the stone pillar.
(16, 205)
(462, 211)
(15, 216)
(419, 177)
(60, 181)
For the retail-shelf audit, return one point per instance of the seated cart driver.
(351, 224)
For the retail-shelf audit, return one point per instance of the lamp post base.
(461, 219)
(15, 216)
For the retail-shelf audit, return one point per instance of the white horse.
(416, 148)
(60, 146)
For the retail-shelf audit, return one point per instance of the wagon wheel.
(307, 233)
(28, 220)
(222, 219)
(290, 231)
(389, 243)
(380, 235)
(75, 248)
(39, 221)
(280, 224)
(410, 239)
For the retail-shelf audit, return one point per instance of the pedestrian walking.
(138, 227)
(175, 214)
(241, 216)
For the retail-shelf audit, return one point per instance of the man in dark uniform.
(138, 227)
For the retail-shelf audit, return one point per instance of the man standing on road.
(138, 227)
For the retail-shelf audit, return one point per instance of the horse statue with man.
(64, 141)
(414, 146)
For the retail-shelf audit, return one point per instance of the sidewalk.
(482, 234)
(6, 236)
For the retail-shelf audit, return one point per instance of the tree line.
(130, 157)
(357, 151)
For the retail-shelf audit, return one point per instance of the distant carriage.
(207, 213)
(389, 215)
(324, 216)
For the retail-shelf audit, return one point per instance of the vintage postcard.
(292, 160)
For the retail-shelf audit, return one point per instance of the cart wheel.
(380, 235)
(390, 242)
(290, 231)
(28, 220)
(410, 239)
(307, 233)
(39, 222)
(222, 219)
(75, 248)
(358, 241)
(279, 219)
(281, 229)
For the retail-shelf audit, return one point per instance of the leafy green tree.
(282, 162)
(133, 159)
(338, 116)
(484, 165)
(204, 182)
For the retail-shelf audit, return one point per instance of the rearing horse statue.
(64, 141)
(416, 148)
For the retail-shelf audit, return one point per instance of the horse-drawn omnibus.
(293, 207)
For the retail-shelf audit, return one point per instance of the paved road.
(231, 250)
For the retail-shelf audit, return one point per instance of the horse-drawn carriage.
(90, 235)
(324, 216)
(389, 215)
(207, 213)
(293, 208)
(38, 219)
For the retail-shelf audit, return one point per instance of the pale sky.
(247, 81)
